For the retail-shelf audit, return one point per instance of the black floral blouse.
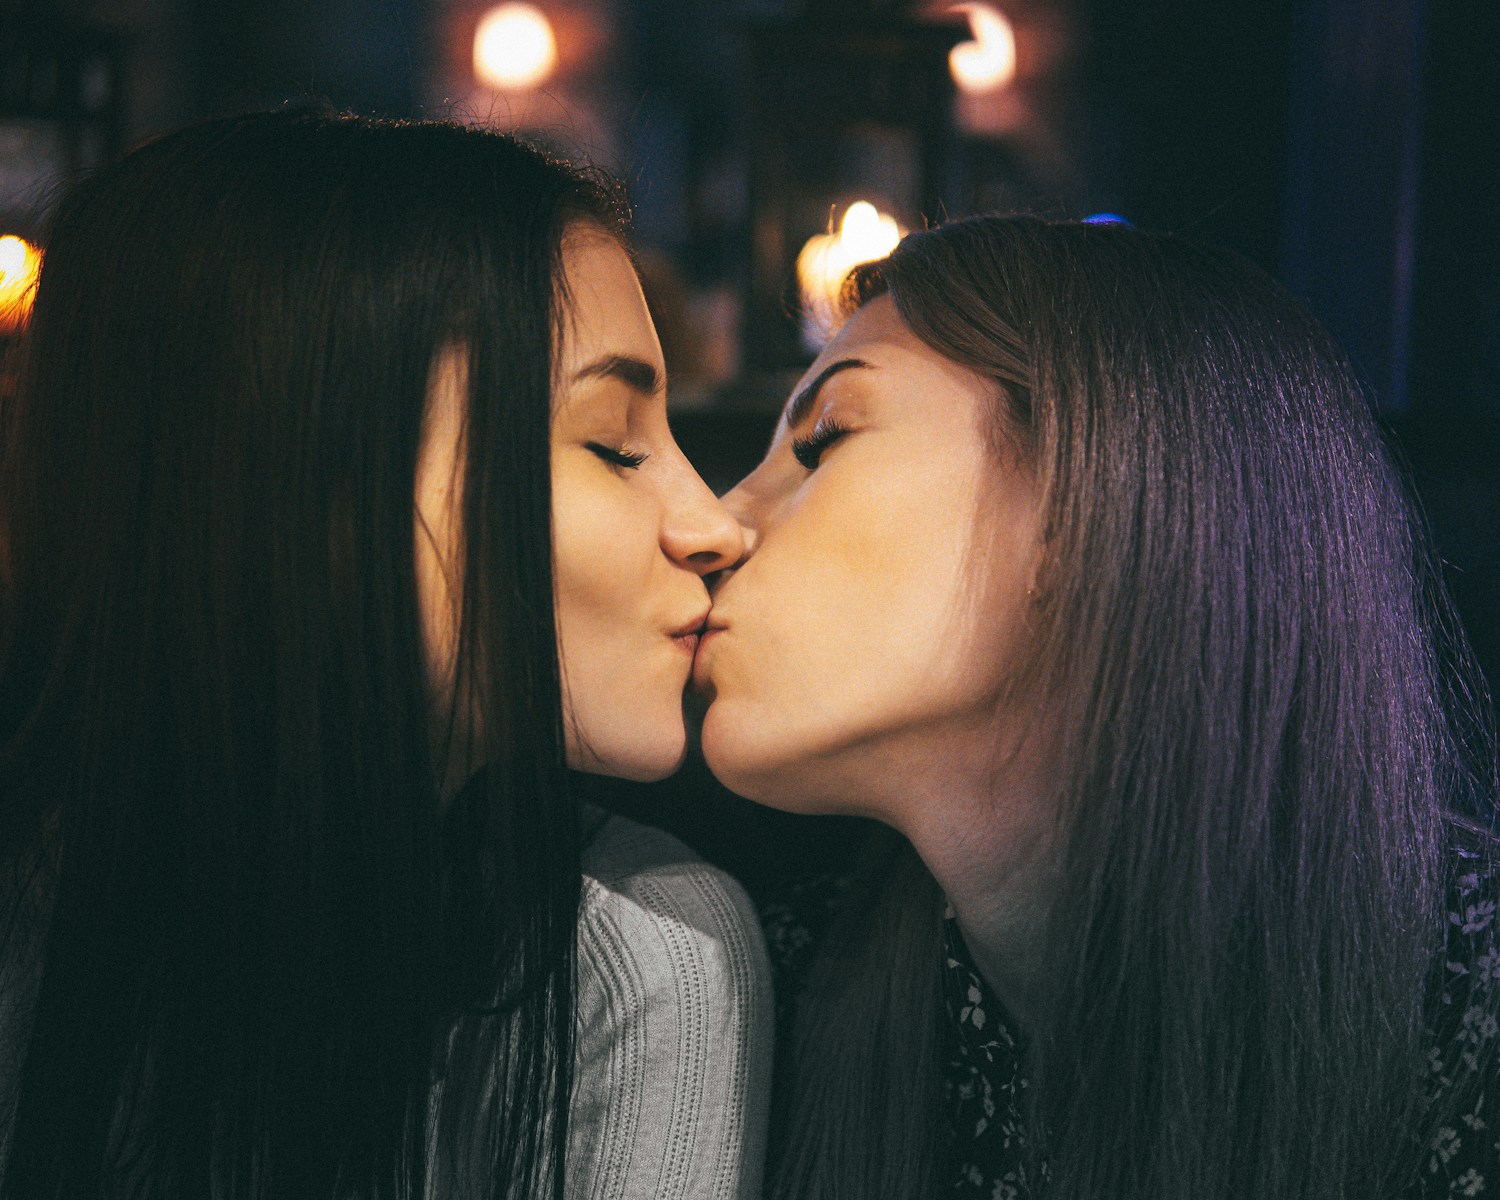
(984, 1067)
(1464, 1158)
(984, 1082)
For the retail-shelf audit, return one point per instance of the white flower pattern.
(983, 1080)
(1464, 1155)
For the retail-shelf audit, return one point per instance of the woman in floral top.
(1077, 563)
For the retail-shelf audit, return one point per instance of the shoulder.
(674, 906)
(666, 942)
(672, 1061)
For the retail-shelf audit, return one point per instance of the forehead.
(899, 361)
(605, 311)
(872, 324)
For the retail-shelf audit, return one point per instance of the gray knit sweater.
(673, 1055)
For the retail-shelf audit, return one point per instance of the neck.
(990, 848)
(1003, 924)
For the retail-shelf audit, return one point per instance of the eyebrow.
(635, 373)
(802, 402)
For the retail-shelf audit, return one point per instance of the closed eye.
(809, 450)
(617, 458)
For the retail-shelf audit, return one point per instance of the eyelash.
(617, 458)
(809, 450)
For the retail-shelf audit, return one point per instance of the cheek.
(601, 549)
(622, 679)
(854, 629)
(580, 579)
(885, 575)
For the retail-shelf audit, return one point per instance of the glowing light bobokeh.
(864, 235)
(20, 262)
(514, 47)
(988, 63)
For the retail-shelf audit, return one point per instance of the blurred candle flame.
(988, 63)
(19, 263)
(864, 235)
(514, 47)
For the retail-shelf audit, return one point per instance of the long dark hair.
(251, 951)
(1271, 729)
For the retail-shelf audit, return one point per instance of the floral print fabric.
(984, 1083)
(1464, 1157)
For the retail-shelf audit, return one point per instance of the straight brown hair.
(1274, 730)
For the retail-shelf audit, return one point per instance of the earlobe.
(1039, 583)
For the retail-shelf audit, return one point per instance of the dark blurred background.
(1348, 146)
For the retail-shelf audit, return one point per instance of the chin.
(634, 736)
(645, 772)
(772, 765)
(750, 768)
(644, 759)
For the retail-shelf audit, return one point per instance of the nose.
(697, 531)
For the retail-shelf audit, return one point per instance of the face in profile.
(861, 651)
(634, 528)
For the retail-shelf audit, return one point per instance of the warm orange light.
(514, 47)
(864, 235)
(19, 263)
(987, 63)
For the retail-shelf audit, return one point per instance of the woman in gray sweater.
(339, 517)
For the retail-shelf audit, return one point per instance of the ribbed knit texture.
(674, 1044)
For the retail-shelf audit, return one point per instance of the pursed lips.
(711, 629)
(687, 635)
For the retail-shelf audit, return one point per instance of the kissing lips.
(686, 636)
(710, 635)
